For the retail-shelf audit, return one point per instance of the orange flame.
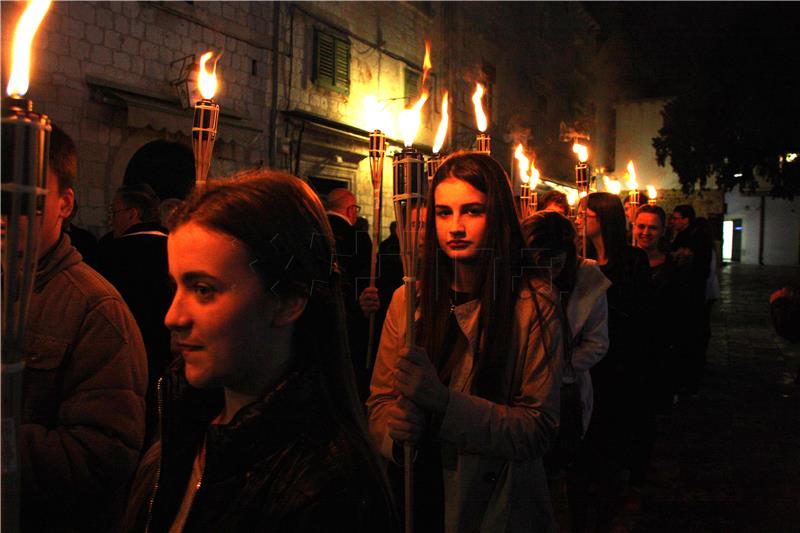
(480, 116)
(523, 162)
(207, 81)
(21, 54)
(441, 133)
(652, 193)
(426, 64)
(582, 151)
(572, 197)
(410, 120)
(534, 176)
(631, 184)
(612, 186)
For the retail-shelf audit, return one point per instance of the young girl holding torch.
(479, 396)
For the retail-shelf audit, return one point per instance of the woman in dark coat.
(260, 426)
(620, 378)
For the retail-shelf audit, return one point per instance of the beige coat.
(499, 482)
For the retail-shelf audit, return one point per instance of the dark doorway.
(322, 186)
(168, 167)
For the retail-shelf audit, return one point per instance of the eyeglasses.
(358, 207)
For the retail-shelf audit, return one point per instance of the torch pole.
(409, 189)
(377, 152)
(582, 184)
(26, 146)
(204, 133)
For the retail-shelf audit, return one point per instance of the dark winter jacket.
(136, 264)
(282, 464)
(84, 382)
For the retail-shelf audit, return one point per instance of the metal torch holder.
(204, 133)
(483, 144)
(432, 165)
(25, 151)
(633, 201)
(524, 200)
(409, 191)
(377, 153)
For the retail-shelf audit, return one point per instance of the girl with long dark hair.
(581, 287)
(618, 379)
(479, 396)
(260, 424)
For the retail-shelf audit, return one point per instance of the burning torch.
(26, 144)
(483, 143)
(377, 152)
(206, 118)
(410, 186)
(582, 184)
(529, 178)
(652, 194)
(435, 161)
(633, 197)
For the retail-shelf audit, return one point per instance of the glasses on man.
(357, 207)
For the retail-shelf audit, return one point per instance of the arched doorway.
(168, 167)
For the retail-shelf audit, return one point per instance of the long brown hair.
(548, 234)
(497, 274)
(282, 223)
(611, 217)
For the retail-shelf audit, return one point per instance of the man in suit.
(353, 255)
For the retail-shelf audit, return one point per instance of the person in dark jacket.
(691, 249)
(135, 262)
(85, 375)
(353, 256)
(620, 379)
(261, 429)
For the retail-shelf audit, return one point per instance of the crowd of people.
(210, 370)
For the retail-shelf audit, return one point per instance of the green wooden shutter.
(324, 71)
(342, 73)
(332, 62)
(413, 80)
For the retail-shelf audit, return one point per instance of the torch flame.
(612, 186)
(631, 184)
(480, 116)
(410, 120)
(23, 36)
(207, 82)
(534, 176)
(652, 193)
(524, 163)
(582, 151)
(426, 64)
(441, 133)
(572, 197)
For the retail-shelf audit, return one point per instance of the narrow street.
(729, 459)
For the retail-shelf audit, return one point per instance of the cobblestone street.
(729, 459)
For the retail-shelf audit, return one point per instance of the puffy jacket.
(498, 483)
(84, 383)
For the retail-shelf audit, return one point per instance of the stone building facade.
(294, 76)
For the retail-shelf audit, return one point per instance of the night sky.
(663, 47)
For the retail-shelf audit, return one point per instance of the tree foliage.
(738, 114)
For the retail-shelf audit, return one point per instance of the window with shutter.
(331, 61)
(412, 84)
